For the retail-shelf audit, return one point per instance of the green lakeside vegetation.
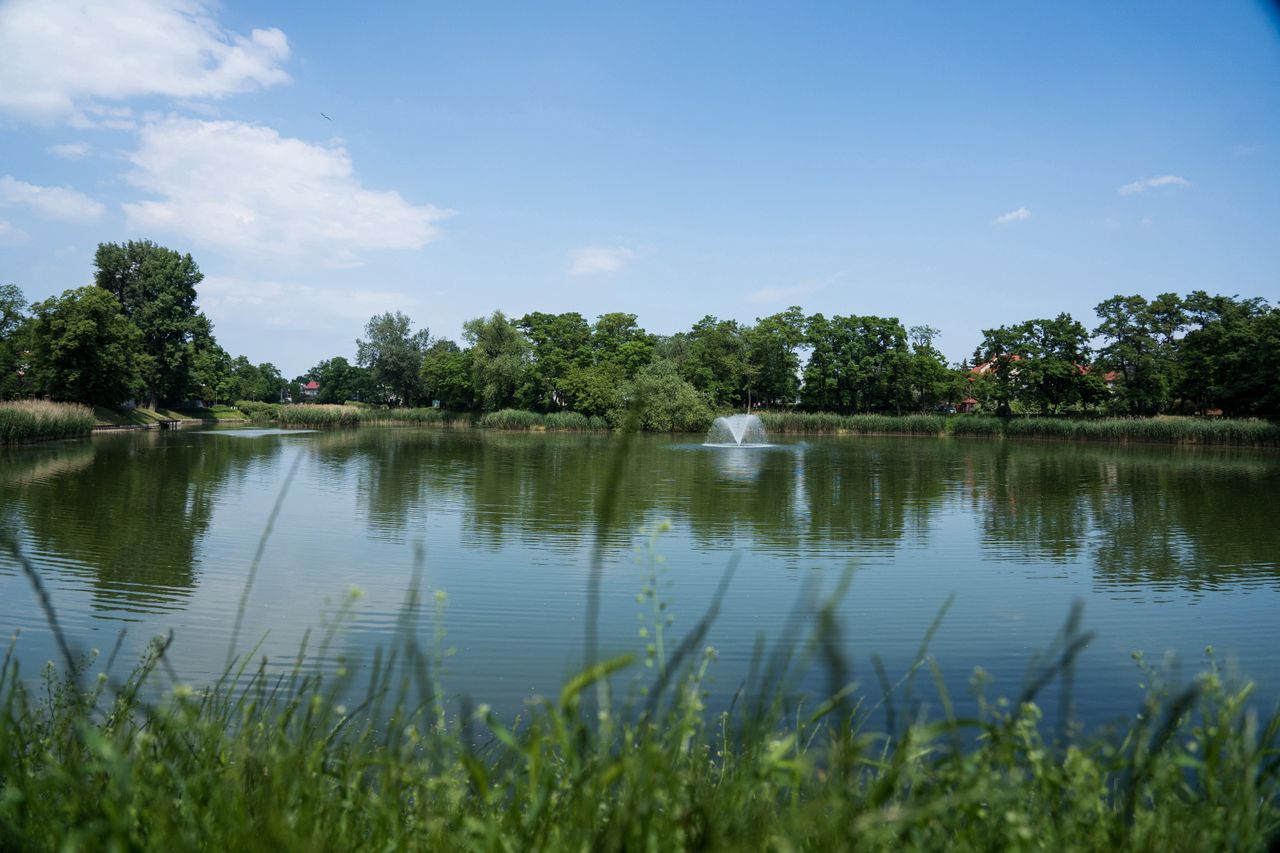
(137, 334)
(308, 760)
(38, 420)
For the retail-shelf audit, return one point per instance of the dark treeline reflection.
(127, 511)
(551, 487)
(131, 512)
(1141, 516)
(1136, 515)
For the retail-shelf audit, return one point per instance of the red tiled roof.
(312, 386)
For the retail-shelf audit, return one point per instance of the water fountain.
(737, 431)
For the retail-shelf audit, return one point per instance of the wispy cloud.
(787, 293)
(11, 235)
(61, 203)
(274, 304)
(1153, 183)
(246, 189)
(60, 59)
(71, 150)
(594, 260)
(1013, 216)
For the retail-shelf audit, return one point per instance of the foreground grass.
(23, 421)
(256, 762)
(1168, 430)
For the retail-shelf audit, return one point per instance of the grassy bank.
(1167, 430)
(23, 421)
(106, 416)
(258, 762)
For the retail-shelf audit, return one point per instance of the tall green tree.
(772, 358)
(392, 352)
(930, 381)
(619, 349)
(447, 376)
(1055, 364)
(500, 357)
(561, 346)
(1139, 347)
(156, 289)
(857, 364)
(210, 363)
(339, 380)
(259, 382)
(83, 349)
(997, 374)
(1216, 359)
(13, 321)
(717, 362)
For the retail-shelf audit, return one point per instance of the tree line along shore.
(136, 334)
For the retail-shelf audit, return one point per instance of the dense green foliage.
(258, 410)
(392, 352)
(1198, 354)
(13, 379)
(84, 350)
(663, 401)
(40, 420)
(156, 290)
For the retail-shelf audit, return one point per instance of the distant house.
(311, 390)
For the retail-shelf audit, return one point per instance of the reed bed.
(1164, 430)
(574, 422)
(1225, 432)
(23, 421)
(416, 417)
(810, 423)
(318, 416)
(520, 419)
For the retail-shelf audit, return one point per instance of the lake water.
(1169, 549)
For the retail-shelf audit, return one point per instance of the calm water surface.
(1170, 550)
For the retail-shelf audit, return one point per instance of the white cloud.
(1013, 216)
(60, 58)
(71, 150)
(11, 235)
(774, 295)
(246, 189)
(276, 304)
(60, 203)
(599, 259)
(1153, 183)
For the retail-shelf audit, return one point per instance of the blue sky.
(960, 165)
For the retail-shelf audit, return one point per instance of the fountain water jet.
(737, 431)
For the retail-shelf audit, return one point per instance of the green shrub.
(662, 402)
(258, 411)
(569, 421)
(511, 419)
(41, 420)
